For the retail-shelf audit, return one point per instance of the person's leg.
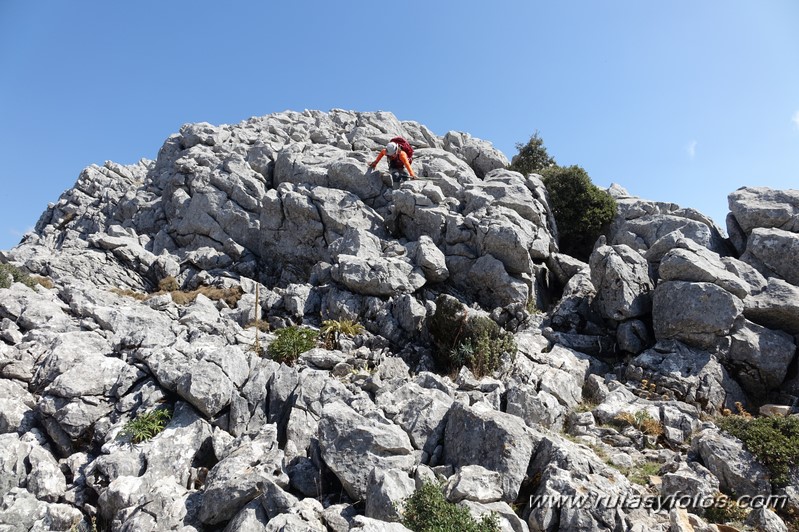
(396, 178)
(399, 176)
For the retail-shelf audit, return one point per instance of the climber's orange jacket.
(398, 161)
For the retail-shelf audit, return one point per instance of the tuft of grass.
(147, 425)
(773, 440)
(290, 343)
(332, 330)
(230, 296)
(261, 325)
(642, 421)
(640, 473)
(168, 284)
(138, 296)
(427, 510)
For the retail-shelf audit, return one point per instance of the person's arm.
(380, 156)
(407, 164)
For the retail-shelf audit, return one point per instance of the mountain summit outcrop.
(158, 275)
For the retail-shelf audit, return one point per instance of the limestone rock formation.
(168, 283)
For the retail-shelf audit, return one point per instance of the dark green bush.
(773, 440)
(461, 339)
(290, 343)
(428, 511)
(582, 210)
(11, 274)
(532, 157)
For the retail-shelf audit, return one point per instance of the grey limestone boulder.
(352, 445)
(479, 154)
(474, 435)
(234, 481)
(21, 510)
(777, 307)
(759, 357)
(386, 492)
(754, 207)
(421, 412)
(431, 260)
(687, 374)
(474, 483)
(535, 407)
(377, 277)
(566, 469)
(16, 407)
(765, 519)
(736, 468)
(690, 480)
(643, 231)
(694, 313)
(620, 276)
(691, 262)
(772, 252)
(362, 523)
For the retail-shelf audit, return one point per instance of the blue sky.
(681, 101)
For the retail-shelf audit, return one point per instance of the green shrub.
(10, 274)
(532, 157)
(428, 511)
(773, 440)
(147, 425)
(290, 343)
(582, 210)
(476, 342)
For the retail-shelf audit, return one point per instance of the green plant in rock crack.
(332, 330)
(146, 426)
(290, 343)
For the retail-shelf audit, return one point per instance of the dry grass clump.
(642, 421)
(261, 325)
(169, 285)
(230, 296)
(138, 296)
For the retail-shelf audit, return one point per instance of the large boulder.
(759, 357)
(479, 435)
(695, 313)
(772, 252)
(689, 261)
(754, 207)
(353, 445)
(621, 278)
(236, 480)
(738, 471)
(776, 307)
(687, 374)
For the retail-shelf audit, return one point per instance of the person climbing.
(400, 155)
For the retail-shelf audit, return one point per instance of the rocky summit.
(148, 382)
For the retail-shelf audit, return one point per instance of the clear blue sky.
(681, 101)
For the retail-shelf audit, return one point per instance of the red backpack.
(404, 146)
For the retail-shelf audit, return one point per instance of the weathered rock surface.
(353, 445)
(498, 442)
(621, 278)
(159, 269)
